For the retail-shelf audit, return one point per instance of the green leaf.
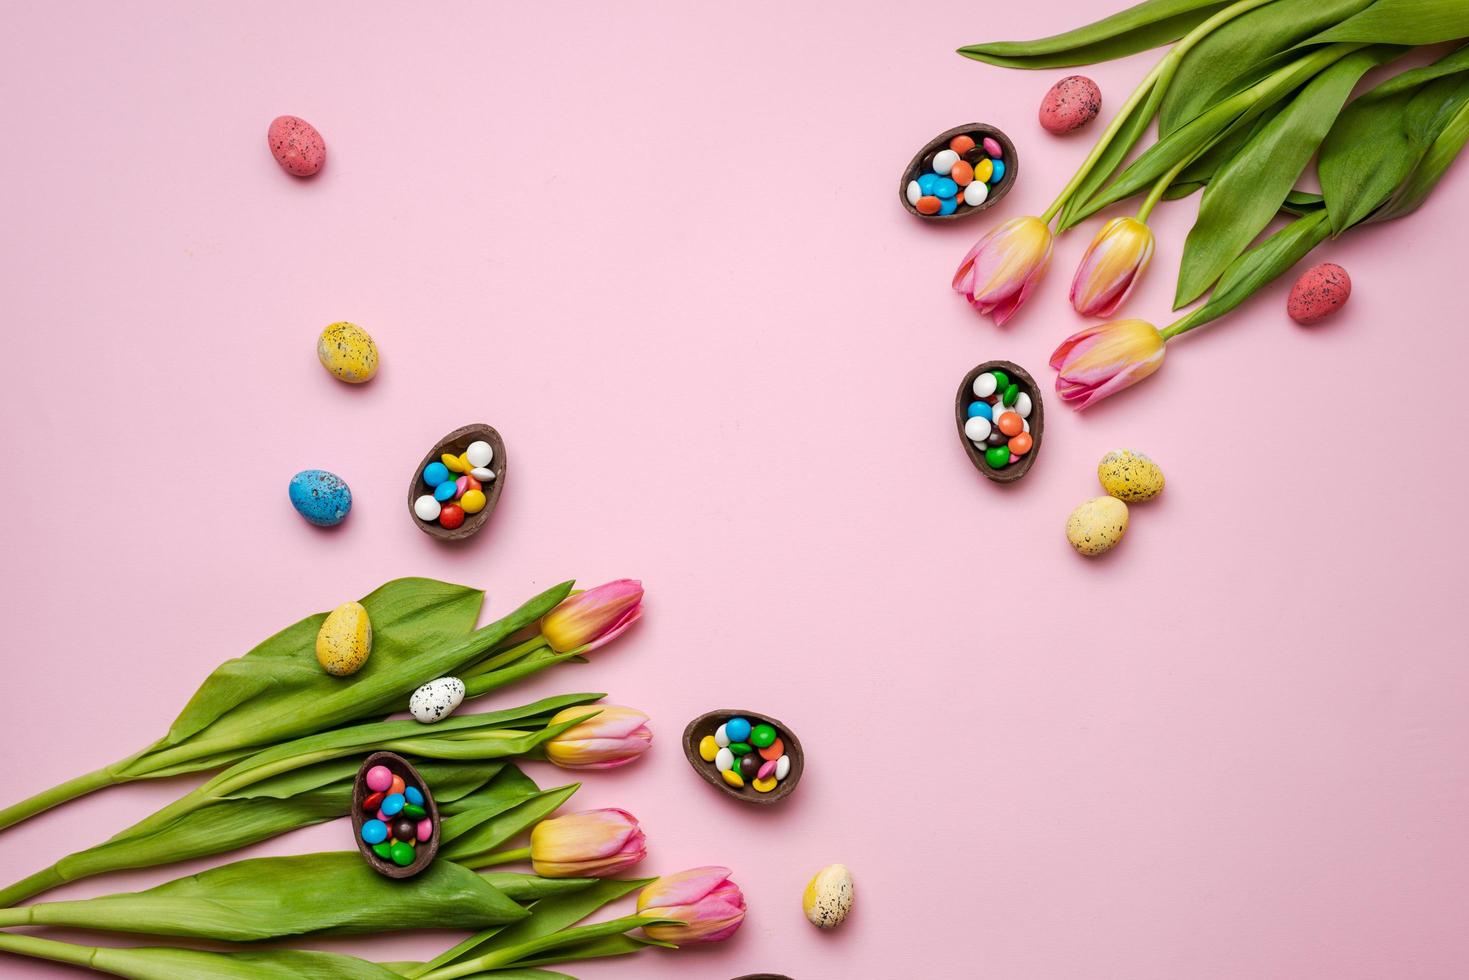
(531, 888)
(478, 836)
(1131, 130)
(165, 963)
(1247, 191)
(614, 945)
(1403, 22)
(1424, 178)
(1225, 57)
(1138, 28)
(1301, 203)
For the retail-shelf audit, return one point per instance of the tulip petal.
(684, 887)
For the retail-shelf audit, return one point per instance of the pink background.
(658, 246)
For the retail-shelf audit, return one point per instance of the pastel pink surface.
(1235, 747)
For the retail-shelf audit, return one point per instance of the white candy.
(944, 161)
(437, 700)
(1022, 405)
(724, 759)
(721, 737)
(985, 385)
(427, 508)
(482, 473)
(914, 192)
(977, 429)
(480, 453)
(975, 192)
(782, 767)
(1024, 426)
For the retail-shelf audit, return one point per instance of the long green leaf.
(477, 836)
(167, 963)
(1133, 127)
(532, 888)
(1248, 190)
(1425, 177)
(1135, 29)
(1403, 22)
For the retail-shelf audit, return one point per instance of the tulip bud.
(613, 737)
(1104, 359)
(1113, 264)
(710, 906)
(587, 620)
(591, 844)
(1003, 267)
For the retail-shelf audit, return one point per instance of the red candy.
(451, 516)
(372, 803)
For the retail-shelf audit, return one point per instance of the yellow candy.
(984, 170)
(763, 785)
(708, 748)
(455, 466)
(473, 501)
(464, 462)
(733, 778)
(344, 641)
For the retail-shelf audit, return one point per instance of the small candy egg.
(379, 778)
(948, 205)
(1097, 526)
(1071, 103)
(945, 188)
(741, 748)
(748, 766)
(344, 641)
(828, 897)
(424, 830)
(470, 483)
(444, 492)
(435, 473)
(962, 174)
(1130, 476)
(782, 767)
(296, 145)
(997, 457)
(405, 829)
(708, 748)
(1024, 425)
(977, 429)
(992, 147)
(724, 759)
(451, 516)
(383, 850)
(997, 174)
(763, 785)
(925, 184)
(436, 701)
(767, 769)
(1320, 292)
(452, 463)
(461, 485)
(944, 160)
(402, 853)
(1014, 458)
(774, 750)
(1021, 444)
(473, 501)
(1022, 405)
(913, 191)
(733, 778)
(393, 804)
(323, 498)
(961, 144)
(413, 795)
(373, 802)
(1010, 424)
(426, 508)
(997, 438)
(1012, 392)
(928, 205)
(374, 831)
(383, 816)
(414, 810)
(983, 170)
(480, 453)
(721, 736)
(464, 464)
(398, 785)
(975, 194)
(981, 410)
(738, 729)
(984, 385)
(482, 473)
(347, 352)
(762, 735)
(1002, 380)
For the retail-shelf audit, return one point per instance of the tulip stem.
(509, 656)
(499, 857)
(1161, 187)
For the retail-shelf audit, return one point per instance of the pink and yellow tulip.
(710, 906)
(1003, 267)
(613, 737)
(1111, 267)
(587, 620)
(590, 844)
(1102, 360)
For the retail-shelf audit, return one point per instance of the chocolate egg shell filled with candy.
(370, 790)
(978, 159)
(719, 743)
(1001, 420)
(441, 500)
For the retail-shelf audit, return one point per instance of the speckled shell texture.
(1097, 526)
(1070, 104)
(436, 700)
(1320, 292)
(828, 896)
(322, 498)
(1130, 476)
(348, 352)
(296, 145)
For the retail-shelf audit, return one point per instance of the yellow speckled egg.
(345, 640)
(828, 897)
(1097, 525)
(347, 351)
(1130, 476)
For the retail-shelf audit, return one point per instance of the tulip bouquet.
(1248, 94)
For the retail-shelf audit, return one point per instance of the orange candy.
(962, 173)
(773, 751)
(961, 144)
(1011, 424)
(928, 205)
(398, 785)
(1021, 444)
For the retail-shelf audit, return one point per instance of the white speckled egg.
(1130, 476)
(437, 700)
(828, 897)
(1097, 526)
(344, 641)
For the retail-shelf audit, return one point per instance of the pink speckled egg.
(1320, 292)
(296, 145)
(1070, 104)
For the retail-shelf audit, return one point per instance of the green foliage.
(1135, 29)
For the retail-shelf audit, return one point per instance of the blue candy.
(435, 473)
(945, 187)
(322, 498)
(445, 491)
(374, 831)
(392, 805)
(948, 205)
(412, 795)
(738, 729)
(927, 182)
(981, 410)
(999, 172)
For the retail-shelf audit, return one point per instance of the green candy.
(414, 810)
(1011, 393)
(1001, 380)
(383, 850)
(997, 457)
(402, 853)
(762, 735)
(743, 748)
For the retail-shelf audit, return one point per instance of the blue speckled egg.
(322, 498)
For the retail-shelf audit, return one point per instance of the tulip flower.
(710, 906)
(587, 620)
(613, 737)
(590, 844)
(1103, 359)
(1111, 267)
(1003, 267)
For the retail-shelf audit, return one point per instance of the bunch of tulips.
(1249, 94)
(263, 789)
